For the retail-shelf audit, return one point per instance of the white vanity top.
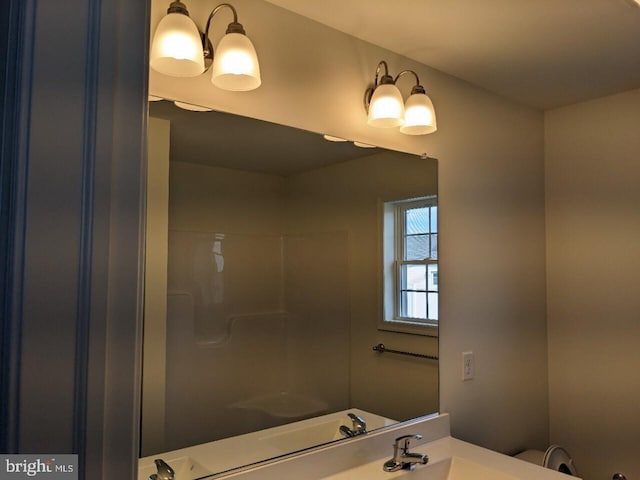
(362, 458)
(208, 458)
(452, 459)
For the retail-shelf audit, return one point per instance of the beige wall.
(490, 155)
(592, 174)
(155, 291)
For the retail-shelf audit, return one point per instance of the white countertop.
(362, 458)
(229, 453)
(482, 463)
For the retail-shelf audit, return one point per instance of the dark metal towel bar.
(380, 348)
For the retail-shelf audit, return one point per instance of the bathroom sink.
(452, 459)
(185, 467)
(320, 430)
(455, 468)
(225, 454)
(450, 468)
(305, 437)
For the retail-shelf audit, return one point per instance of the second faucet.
(402, 457)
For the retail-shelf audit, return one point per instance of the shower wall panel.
(255, 318)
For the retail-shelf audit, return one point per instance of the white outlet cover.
(468, 366)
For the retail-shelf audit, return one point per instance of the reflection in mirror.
(264, 290)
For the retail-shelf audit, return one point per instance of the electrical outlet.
(468, 366)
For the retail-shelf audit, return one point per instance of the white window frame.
(392, 253)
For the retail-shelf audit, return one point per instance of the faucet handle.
(403, 441)
(359, 425)
(165, 472)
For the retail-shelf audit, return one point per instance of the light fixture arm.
(386, 78)
(417, 88)
(233, 27)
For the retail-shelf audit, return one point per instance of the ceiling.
(542, 53)
(232, 141)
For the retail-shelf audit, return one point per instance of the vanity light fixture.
(385, 107)
(383, 101)
(179, 49)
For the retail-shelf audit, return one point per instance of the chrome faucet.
(359, 426)
(165, 472)
(402, 457)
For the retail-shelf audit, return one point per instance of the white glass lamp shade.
(235, 64)
(386, 108)
(419, 115)
(176, 49)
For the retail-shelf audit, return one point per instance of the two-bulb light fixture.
(386, 108)
(179, 49)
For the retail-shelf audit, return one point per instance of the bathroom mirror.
(264, 289)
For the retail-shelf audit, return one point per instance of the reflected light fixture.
(179, 49)
(192, 107)
(331, 138)
(386, 109)
(363, 145)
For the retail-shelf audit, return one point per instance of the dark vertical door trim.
(116, 343)
(102, 412)
(16, 23)
(84, 298)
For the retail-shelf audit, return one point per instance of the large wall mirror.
(265, 288)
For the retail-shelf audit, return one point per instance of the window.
(410, 266)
